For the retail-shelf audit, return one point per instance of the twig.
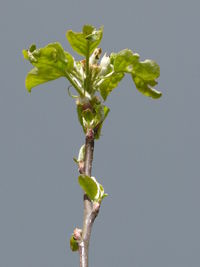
(91, 209)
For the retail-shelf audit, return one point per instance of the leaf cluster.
(92, 78)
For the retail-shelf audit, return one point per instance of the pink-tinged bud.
(77, 234)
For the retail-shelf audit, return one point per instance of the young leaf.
(148, 70)
(144, 76)
(145, 87)
(89, 185)
(97, 130)
(109, 83)
(73, 244)
(85, 42)
(88, 29)
(79, 114)
(106, 110)
(81, 154)
(92, 188)
(50, 63)
(144, 73)
(124, 60)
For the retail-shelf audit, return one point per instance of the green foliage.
(124, 60)
(104, 113)
(86, 41)
(50, 63)
(92, 188)
(92, 80)
(109, 83)
(144, 73)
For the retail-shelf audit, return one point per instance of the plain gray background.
(147, 158)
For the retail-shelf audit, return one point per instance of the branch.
(90, 209)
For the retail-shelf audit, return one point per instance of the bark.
(90, 209)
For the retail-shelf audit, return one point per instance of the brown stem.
(90, 212)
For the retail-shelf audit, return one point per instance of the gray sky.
(148, 158)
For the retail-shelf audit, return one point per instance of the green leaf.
(89, 185)
(106, 110)
(148, 70)
(98, 127)
(79, 110)
(92, 188)
(144, 73)
(109, 83)
(85, 42)
(88, 29)
(99, 116)
(145, 87)
(50, 63)
(73, 244)
(124, 60)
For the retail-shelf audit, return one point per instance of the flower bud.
(95, 56)
(105, 63)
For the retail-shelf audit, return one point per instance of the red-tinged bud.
(90, 134)
(86, 106)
